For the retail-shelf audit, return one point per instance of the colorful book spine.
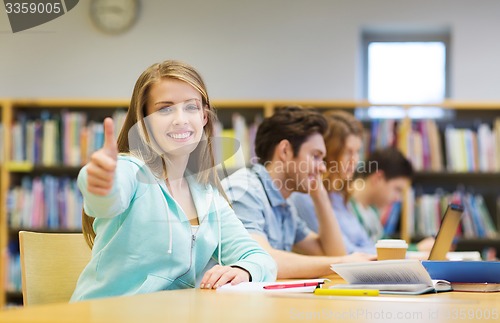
(45, 202)
(391, 225)
(476, 221)
(52, 139)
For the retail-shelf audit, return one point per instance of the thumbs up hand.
(102, 165)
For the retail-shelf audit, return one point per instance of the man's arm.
(328, 241)
(292, 265)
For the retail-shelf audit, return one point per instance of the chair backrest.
(50, 265)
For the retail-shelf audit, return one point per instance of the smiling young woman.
(155, 223)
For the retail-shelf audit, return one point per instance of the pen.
(346, 292)
(281, 286)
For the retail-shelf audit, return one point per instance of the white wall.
(259, 49)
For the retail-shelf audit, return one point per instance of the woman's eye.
(165, 109)
(191, 107)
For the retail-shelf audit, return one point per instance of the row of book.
(68, 138)
(45, 202)
(465, 149)
(49, 202)
(390, 219)
(12, 267)
(468, 150)
(65, 138)
(426, 211)
(419, 140)
(235, 147)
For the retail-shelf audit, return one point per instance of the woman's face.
(175, 117)
(350, 156)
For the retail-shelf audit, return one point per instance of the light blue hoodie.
(145, 243)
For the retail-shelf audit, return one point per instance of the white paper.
(259, 287)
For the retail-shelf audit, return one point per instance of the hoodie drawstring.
(219, 226)
(169, 251)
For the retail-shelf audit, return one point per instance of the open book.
(406, 276)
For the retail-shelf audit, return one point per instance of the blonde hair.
(170, 69)
(341, 125)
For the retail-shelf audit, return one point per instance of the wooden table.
(195, 305)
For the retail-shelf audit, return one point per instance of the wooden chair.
(50, 265)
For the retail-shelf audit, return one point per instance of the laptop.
(446, 233)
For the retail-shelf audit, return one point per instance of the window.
(405, 68)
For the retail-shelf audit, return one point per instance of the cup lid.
(391, 243)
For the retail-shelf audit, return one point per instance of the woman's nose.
(179, 116)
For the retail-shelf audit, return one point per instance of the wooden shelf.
(35, 169)
(451, 180)
(70, 103)
(15, 231)
(456, 176)
(478, 244)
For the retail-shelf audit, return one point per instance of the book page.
(407, 271)
(385, 287)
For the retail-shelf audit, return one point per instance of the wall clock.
(114, 16)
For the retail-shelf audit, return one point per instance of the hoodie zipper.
(193, 240)
(193, 236)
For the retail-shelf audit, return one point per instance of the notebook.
(473, 276)
(291, 286)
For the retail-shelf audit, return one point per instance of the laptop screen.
(446, 232)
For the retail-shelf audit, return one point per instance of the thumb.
(110, 146)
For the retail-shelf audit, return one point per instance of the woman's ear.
(205, 118)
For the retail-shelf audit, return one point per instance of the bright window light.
(406, 72)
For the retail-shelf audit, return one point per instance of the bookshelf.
(14, 167)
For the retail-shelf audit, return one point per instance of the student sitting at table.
(290, 149)
(380, 182)
(154, 210)
(343, 143)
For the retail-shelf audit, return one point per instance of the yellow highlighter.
(346, 292)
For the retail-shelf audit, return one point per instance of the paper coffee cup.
(391, 249)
